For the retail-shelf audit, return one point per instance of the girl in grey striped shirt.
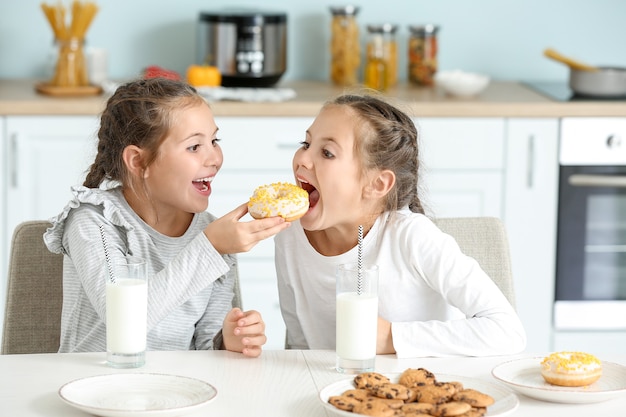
(148, 188)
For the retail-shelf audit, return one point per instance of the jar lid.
(382, 28)
(424, 30)
(347, 10)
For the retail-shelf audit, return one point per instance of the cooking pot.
(604, 82)
(587, 80)
(248, 46)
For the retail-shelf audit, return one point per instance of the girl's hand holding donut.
(244, 332)
(228, 235)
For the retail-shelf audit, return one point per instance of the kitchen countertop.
(500, 99)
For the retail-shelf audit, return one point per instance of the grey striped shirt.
(190, 285)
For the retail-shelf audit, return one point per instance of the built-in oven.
(590, 292)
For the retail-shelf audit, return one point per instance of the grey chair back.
(32, 320)
(484, 239)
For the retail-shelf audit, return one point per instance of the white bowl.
(461, 83)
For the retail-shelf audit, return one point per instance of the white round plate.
(137, 395)
(505, 401)
(524, 376)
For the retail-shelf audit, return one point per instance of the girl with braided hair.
(359, 163)
(148, 189)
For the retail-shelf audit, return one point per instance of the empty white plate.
(138, 395)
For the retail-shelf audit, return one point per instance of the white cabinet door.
(462, 166)
(43, 157)
(530, 217)
(46, 156)
(4, 233)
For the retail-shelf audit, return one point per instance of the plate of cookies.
(564, 377)
(417, 391)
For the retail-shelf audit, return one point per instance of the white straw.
(359, 264)
(106, 254)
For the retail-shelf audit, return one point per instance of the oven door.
(591, 248)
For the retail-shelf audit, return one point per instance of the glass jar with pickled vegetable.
(345, 49)
(381, 67)
(423, 54)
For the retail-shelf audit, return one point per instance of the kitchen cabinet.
(530, 201)
(43, 157)
(470, 167)
(3, 226)
(462, 165)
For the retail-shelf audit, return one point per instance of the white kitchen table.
(279, 383)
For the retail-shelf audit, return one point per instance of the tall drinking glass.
(126, 314)
(357, 318)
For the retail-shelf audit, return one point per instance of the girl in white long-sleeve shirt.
(359, 163)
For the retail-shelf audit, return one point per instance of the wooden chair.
(32, 320)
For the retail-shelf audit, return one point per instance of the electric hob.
(560, 91)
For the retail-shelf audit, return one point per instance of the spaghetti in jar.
(423, 54)
(345, 49)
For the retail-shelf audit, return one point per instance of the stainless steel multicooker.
(248, 46)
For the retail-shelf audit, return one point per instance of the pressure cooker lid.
(242, 16)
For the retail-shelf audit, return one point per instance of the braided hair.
(138, 113)
(387, 139)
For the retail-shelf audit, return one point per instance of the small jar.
(423, 54)
(345, 49)
(381, 67)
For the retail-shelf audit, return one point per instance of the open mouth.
(203, 184)
(314, 195)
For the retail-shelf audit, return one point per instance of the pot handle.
(552, 54)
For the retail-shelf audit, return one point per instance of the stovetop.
(560, 91)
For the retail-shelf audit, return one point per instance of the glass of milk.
(126, 313)
(357, 318)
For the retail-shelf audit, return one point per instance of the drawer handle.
(530, 164)
(13, 160)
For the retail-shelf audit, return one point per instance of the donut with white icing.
(279, 199)
(571, 369)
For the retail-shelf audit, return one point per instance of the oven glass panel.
(605, 248)
(591, 245)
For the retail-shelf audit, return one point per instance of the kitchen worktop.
(500, 99)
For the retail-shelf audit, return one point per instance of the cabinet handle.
(530, 163)
(13, 158)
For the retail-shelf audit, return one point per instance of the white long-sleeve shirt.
(190, 285)
(439, 301)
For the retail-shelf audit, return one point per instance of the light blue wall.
(504, 39)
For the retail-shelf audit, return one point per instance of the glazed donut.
(571, 369)
(279, 199)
